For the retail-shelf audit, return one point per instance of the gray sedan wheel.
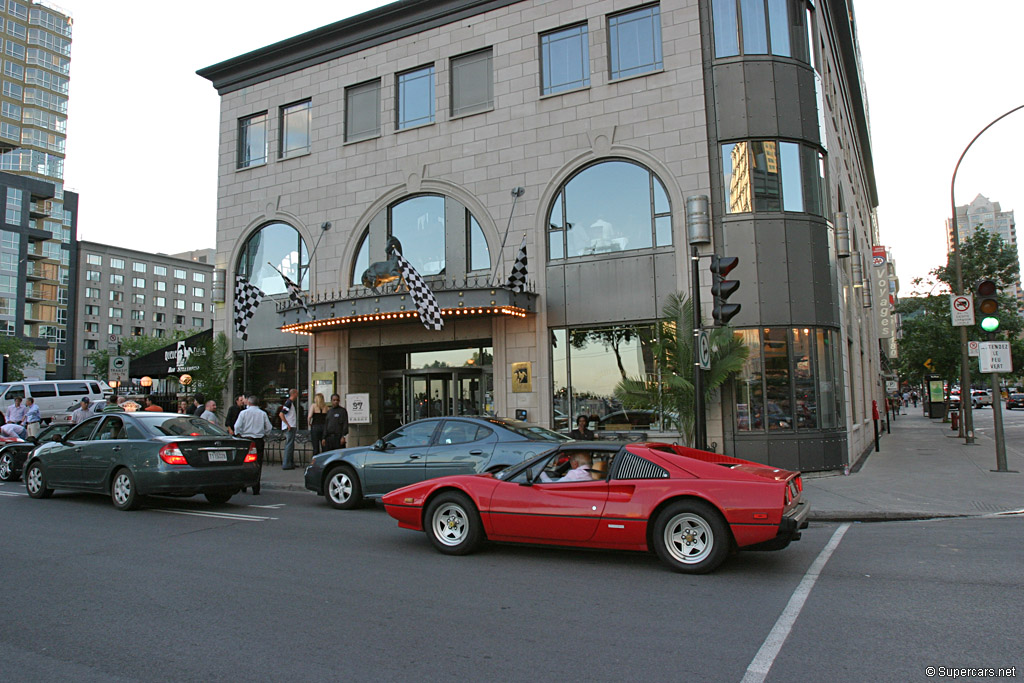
(453, 524)
(35, 482)
(341, 488)
(123, 492)
(7, 468)
(691, 537)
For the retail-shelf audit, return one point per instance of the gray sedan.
(424, 449)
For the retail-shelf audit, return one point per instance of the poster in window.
(522, 377)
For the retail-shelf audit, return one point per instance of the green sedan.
(131, 455)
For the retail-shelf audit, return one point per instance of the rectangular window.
(198, 291)
(9, 262)
(91, 345)
(792, 187)
(179, 304)
(179, 320)
(113, 329)
(92, 327)
(565, 59)
(415, 105)
(138, 331)
(198, 323)
(180, 274)
(94, 259)
(160, 270)
(755, 29)
(138, 315)
(472, 83)
(139, 299)
(197, 306)
(117, 263)
(635, 42)
(159, 301)
(160, 286)
(765, 175)
(159, 317)
(252, 141)
(13, 90)
(115, 313)
(117, 280)
(723, 13)
(92, 275)
(296, 120)
(199, 277)
(92, 310)
(10, 110)
(179, 289)
(14, 206)
(362, 111)
(8, 284)
(158, 333)
(138, 267)
(139, 282)
(93, 293)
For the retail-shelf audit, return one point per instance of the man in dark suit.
(233, 412)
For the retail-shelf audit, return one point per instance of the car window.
(82, 431)
(455, 431)
(183, 425)
(531, 431)
(414, 434)
(559, 467)
(94, 388)
(132, 431)
(112, 428)
(54, 431)
(43, 390)
(70, 389)
(15, 391)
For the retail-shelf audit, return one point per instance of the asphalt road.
(290, 589)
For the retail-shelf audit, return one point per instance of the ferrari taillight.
(171, 454)
(252, 454)
(799, 483)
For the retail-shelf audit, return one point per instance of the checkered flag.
(247, 300)
(517, 279)
(295, 293)
(422, 295)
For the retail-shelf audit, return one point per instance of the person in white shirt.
(210, 414)
(16, 412)
(13, 431)
(581, 462)
(253, 423)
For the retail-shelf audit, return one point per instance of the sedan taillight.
(252, 454)
(171, 455)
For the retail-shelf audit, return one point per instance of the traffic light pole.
(700, 427)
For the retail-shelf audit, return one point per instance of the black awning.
(173, 359)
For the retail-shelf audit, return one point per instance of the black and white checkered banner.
(517, 278)
(247, 300)
(295, 293)
(422, 295)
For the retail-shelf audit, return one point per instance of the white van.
(54, 397)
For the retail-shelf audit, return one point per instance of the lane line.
(765, 657)
(12, 493)
(216, 515)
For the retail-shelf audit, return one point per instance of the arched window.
(418, 223)
(275, 245)
(607, 207)
(362, 259)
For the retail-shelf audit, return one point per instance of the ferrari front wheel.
(453, 524)
(691, 537)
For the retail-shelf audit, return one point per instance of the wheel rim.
(340, 488)
(5, 467)
(450, 524)
(689, 538)
(122, 488)
(34, 480)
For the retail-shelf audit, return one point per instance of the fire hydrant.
(955, 421)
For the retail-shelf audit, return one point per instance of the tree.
(19, 356)
(214, 365)
(134, 347)
(672, 392)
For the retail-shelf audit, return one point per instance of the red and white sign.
(961, 309)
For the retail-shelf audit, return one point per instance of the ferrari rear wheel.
(691, 537)
(453, 524)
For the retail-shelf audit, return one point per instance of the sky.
(935, 77)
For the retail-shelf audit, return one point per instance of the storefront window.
(587, 364)
(275, 245)
(789, 380)
(270, 375)
(609, 207)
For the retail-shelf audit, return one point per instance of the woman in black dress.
(317, 423)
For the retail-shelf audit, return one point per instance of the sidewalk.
(922, 470)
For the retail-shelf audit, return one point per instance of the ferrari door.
(553, 508)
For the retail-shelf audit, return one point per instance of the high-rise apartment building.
(984, 214)
(38, 244)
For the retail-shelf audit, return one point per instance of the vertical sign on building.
(880, 281)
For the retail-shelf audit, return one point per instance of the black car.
(1015, 401)
(131, 455)
(424, 449)
(13, 455)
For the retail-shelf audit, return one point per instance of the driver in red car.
(581, 462)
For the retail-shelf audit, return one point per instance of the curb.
(887, 516)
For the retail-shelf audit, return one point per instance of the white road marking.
(275, 506)
(12, 493)
(765, 657)
(216, 515)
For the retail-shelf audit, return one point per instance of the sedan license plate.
(218, 456)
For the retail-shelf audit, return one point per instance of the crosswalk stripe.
(216, 515)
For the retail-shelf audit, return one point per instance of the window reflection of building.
(274, 245)
(788, 381)
(774, 175)
(608, 207)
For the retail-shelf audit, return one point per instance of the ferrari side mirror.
(529, 477)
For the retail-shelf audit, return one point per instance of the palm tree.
(673, 395)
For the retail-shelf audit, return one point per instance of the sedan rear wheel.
(123, 492)
(7, 468)
(342, 488)
(35, 482)
(691, 537)
(453, 524)
(218, 497)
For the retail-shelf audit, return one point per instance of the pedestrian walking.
(210, 413)
(289, 424)
(32, 417)
(317, 423)
(253, 424)
(336, 425)
(913, 397)
(82, 412)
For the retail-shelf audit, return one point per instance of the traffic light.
(987, 304)
(722, 289)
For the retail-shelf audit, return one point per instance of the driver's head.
(581, 459)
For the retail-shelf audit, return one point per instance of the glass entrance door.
(436, 394)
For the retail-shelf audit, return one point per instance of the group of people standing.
(21, 421)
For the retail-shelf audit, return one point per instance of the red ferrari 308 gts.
(692, 507)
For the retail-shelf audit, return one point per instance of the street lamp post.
(967, 423)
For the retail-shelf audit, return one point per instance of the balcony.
(41, 271)
(40, 209)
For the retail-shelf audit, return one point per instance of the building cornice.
(363, 31)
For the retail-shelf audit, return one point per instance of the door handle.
(476, 452)
(116, 448)
(415, 457)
